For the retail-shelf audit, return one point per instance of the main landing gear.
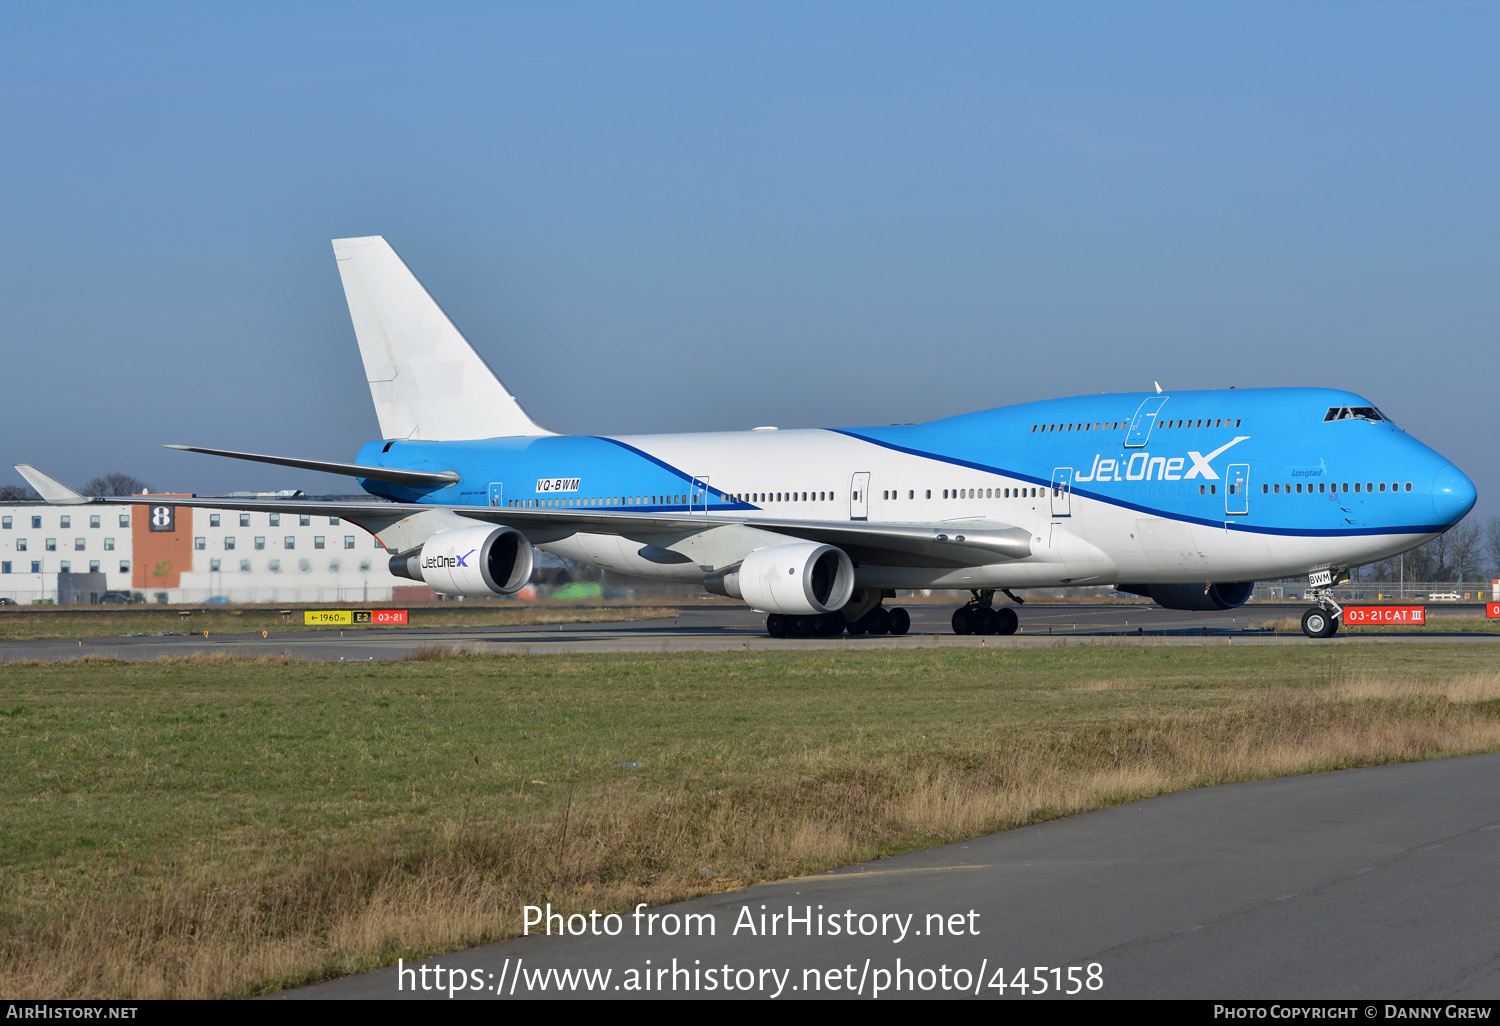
(980, 616)
(875, 621)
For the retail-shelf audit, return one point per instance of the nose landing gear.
(1322, 621)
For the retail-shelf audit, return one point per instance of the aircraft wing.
(951, 543)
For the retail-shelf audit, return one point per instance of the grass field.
(222, 828)
(32, 624)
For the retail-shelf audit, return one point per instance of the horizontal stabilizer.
(49, 489)
(391, 474)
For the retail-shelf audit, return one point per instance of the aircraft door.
(859, 496)
(1237, 489)
(698, 496)
(1062, 492)
(497, 493)
(1143, 421)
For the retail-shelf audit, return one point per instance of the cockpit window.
(1369, 413)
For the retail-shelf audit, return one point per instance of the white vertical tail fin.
(425, 378)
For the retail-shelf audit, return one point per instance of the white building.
(180, 554)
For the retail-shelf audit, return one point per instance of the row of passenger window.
(1338, 486)
(1120, 425)
(592, 502)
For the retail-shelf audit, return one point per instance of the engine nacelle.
(801, 578)
(476, 561)
(1192, 596)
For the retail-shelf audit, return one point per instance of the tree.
(17, 493)
(1456, 554)
(116, 484)
(1492, 543)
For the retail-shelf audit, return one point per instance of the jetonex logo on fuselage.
(434, 562)
(1142, 466)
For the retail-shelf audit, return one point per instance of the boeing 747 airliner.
(1186, 498)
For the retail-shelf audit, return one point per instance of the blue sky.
(663, 217)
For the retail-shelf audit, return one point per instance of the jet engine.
(800, 578)
(476, 561)
(1192, 596)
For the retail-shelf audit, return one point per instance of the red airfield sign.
(1382, 616)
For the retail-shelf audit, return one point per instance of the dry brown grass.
(402, 885)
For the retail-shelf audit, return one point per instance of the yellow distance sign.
(334, 617)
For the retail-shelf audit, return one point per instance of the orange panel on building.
(163, 543)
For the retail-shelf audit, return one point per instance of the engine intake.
(802, 578)
(1192, 596)
(474, 561)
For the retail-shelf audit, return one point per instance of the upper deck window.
(1369, 413)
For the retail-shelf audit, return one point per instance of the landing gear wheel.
(830, 625)
(963, 620)
(776, 625)
(1006, 621)
(1319, 623)
(900, 622)
(877, 621)
(855, 627)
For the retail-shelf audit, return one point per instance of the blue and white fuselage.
(1133, 488)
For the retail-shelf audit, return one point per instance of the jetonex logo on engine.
(451, 562)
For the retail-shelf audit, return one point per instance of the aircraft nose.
(1453, 494)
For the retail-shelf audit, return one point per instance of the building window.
(289, 542)
(333, 521)
(200, 543)
(36, 566)
(36, 522)
(274, 566)
(244, 519)
(348, 541)
(66, 566)
(5, 523)
(5, 567)
(109, 545)
(275, 519)
(364, 566)
(260, 542)
(124, 566)
(244, 566)
(317, 541)
(213, 566)
(229, 543)
(93, 566)
(94, 520)
(50, 545)
(334, 566)
(124, 519)
(213, 520)
(20, 544)
(65, 521)
(303, 519)
(77, 544)
(305, 565)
